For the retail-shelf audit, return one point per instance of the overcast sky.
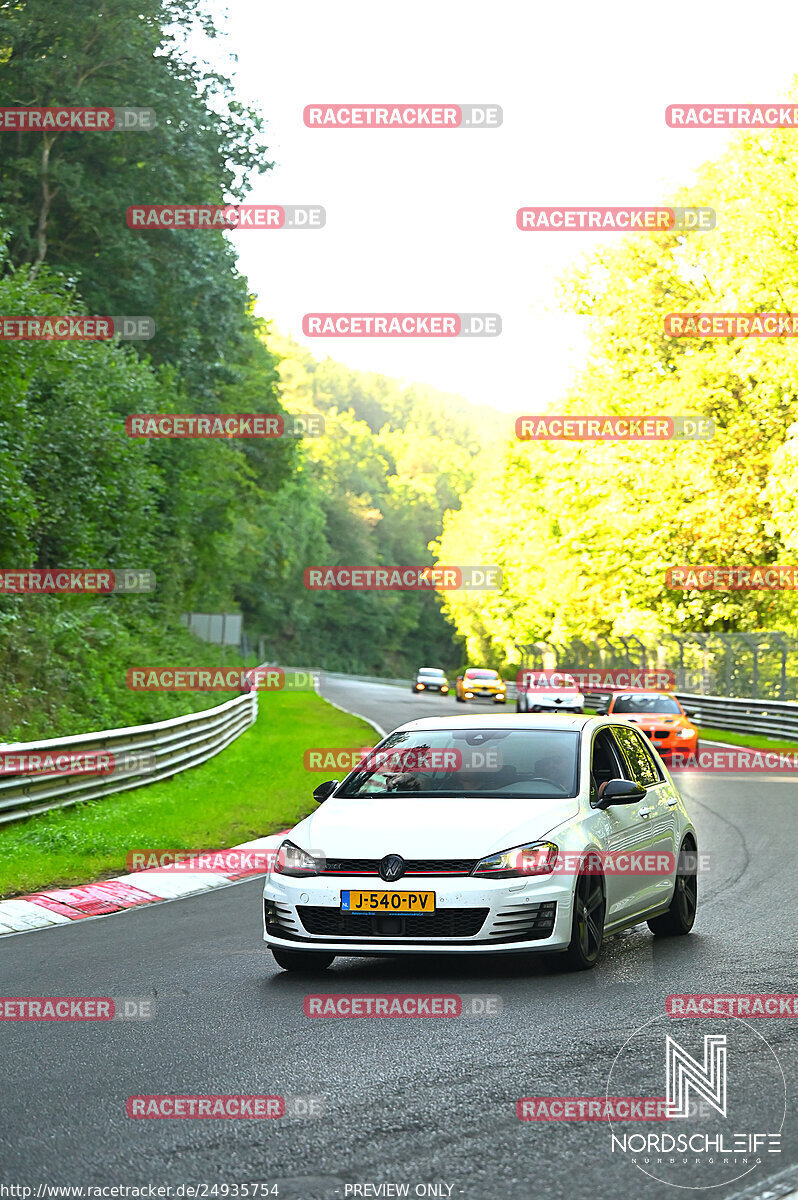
(424, 220)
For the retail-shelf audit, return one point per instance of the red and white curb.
(41, 910)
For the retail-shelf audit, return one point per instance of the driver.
(559, 768)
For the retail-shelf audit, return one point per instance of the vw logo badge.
(392, 867)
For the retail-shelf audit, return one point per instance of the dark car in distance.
(430, 679)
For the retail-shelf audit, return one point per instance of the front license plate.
(396, 902)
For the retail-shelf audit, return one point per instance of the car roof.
(430, 671)
(508, 721)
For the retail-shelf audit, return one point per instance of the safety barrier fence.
(140, 754)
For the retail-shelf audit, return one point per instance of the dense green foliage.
(372, 490)
(585, 531)
(224, 524)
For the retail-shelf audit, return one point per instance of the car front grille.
(413, 866)
(658, 733)
(451, 923)
(523, 922)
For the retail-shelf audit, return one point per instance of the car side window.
(606, 762)
(643, 767)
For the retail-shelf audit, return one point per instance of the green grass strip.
(258, 785)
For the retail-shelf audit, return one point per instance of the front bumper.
(474, 916)
(546, 704)
(671, 744)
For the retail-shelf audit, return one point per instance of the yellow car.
(480, 683)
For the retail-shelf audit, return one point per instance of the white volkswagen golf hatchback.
(486, 835)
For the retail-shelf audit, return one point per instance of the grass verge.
(258, 785)
(755, 740)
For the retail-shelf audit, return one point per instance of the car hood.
(456, 827)
(649, 719)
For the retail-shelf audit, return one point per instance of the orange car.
(659, 716)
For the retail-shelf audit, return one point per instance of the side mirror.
(694, 714)
(325, 789)
(619, 791)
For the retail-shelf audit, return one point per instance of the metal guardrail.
(142, 754)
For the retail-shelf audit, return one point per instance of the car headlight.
(686, 733)
(536, 858)
(291, 860)
(445, 688)
(420, 686)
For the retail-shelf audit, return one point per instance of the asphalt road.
(417, 1102)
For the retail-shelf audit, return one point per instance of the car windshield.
(634, 702)
(431, 671)
(538, 763)
(482, 674)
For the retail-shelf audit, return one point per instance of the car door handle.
(644, 812)
(672, 802)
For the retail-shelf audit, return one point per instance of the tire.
(578, 712)
(680, 917)
(587, 927)
(459, 699)
(309, 961)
